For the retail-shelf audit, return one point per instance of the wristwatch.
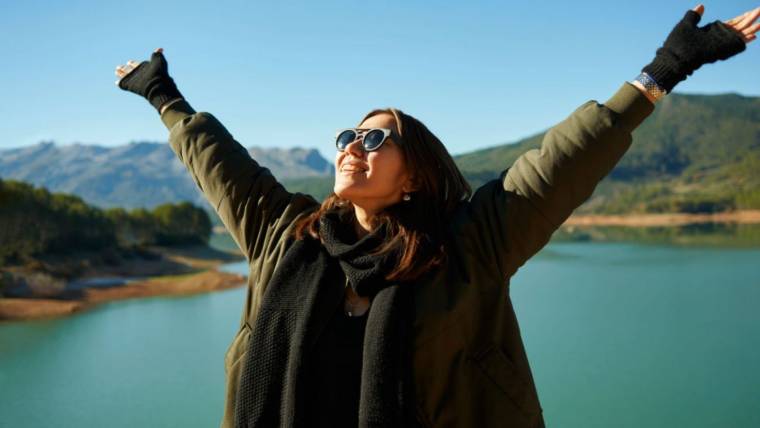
(651, 86)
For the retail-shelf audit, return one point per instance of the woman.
(387, 304)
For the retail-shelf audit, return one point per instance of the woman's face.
(372, 180)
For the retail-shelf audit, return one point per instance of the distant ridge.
(139, 174)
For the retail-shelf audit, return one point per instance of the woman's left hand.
(689, 46)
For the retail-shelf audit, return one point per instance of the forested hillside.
(36, 222)
(695, 153)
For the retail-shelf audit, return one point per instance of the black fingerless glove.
(688, 47)
(151, 80)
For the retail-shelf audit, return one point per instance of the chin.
(351, 193)
(345, 189)
(342, 192)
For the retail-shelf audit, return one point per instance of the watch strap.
(651, 86)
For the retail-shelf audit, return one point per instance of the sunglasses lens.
(344, 139)
(373, 139)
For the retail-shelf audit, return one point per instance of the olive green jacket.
(469, 360)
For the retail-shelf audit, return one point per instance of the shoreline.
(24, 309)
(665, 219)
(180, 272)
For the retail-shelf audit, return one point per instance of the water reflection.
(702, 234)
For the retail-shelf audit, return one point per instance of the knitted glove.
(688, 47)
(151, 80)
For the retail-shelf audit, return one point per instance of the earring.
(407, 197)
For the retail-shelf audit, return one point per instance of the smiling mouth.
(351, 170)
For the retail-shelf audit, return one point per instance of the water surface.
(619, 335)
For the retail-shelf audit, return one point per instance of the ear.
(410, 185)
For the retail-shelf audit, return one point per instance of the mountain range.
(139, 174)
(695, 153)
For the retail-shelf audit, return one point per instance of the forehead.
(381, 120)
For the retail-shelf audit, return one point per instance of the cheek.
(389, 169)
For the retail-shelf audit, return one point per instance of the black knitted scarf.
(304, 292)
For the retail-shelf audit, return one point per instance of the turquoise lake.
(618, 335)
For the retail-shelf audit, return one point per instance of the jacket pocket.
(498, 367)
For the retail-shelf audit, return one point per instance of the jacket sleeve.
(516, 215)
(255, 208)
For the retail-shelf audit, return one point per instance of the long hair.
(415, 228)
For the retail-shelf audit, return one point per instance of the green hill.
(36, 222)
(695, 153)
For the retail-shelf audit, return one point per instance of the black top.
(334, 370)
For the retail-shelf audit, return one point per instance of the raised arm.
(517, 214)
(254, 207)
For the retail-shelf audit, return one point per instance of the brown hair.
(415, 227)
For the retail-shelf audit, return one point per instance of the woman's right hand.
(150, 80)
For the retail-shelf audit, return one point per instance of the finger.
(158, 58)
(123, 70)
(693, 16)
(733, 21)
(736, 19)
(748, 19)
(751, 30)
(132, 63)
(700, 9)
(159, 50)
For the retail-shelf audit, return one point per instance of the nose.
(356, 147)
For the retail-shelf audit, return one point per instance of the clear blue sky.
(291, 73)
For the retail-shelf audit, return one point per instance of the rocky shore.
(64, 285)
(665, 219)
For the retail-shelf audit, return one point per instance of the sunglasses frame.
(362, 132)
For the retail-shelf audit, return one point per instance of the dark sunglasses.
(372, 138)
